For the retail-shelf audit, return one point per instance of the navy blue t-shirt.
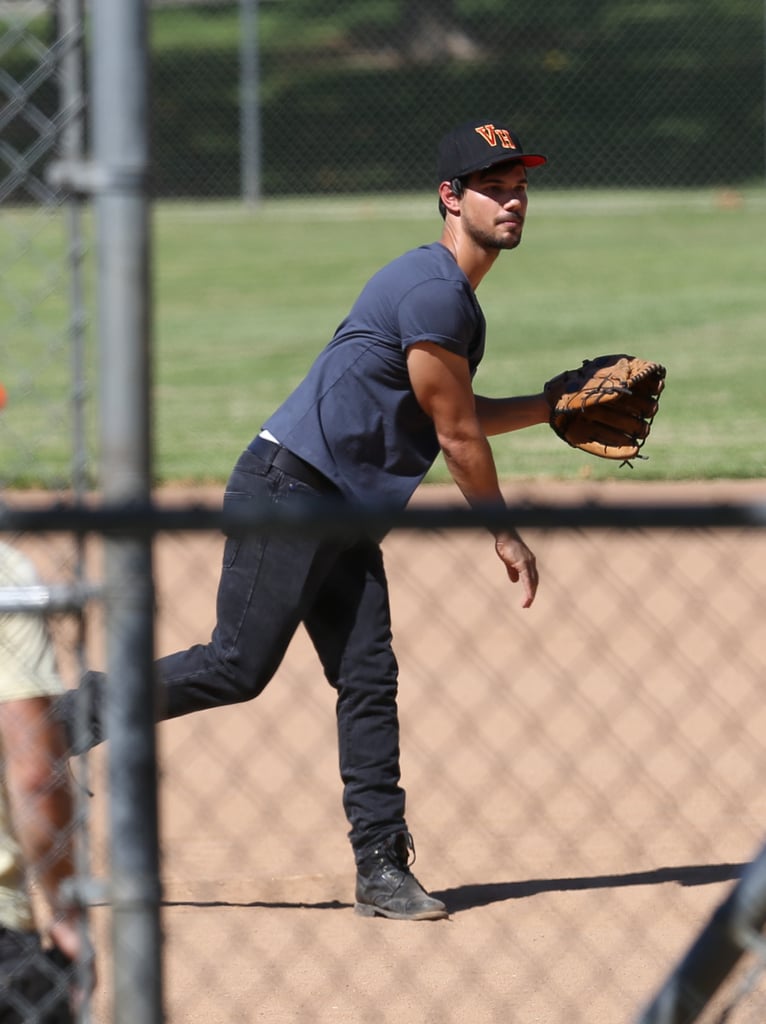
(355, 416)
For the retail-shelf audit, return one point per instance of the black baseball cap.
(478, 144)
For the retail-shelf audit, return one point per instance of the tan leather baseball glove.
(606, 407)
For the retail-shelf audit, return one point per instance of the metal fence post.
(71, 30)
(250, 133)
(121, 161)
(733, 929)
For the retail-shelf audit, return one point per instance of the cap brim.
(528, 159)
(534, 159)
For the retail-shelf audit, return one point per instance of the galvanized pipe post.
(250, 116)
(119, 181)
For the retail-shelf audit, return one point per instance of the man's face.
(495, 204)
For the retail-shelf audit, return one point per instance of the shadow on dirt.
(465, 897)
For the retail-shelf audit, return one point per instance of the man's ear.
(448, 197)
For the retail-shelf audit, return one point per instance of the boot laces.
(402, 847)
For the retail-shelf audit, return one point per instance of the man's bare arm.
(503, 415)
(442, 384)
(41, 802)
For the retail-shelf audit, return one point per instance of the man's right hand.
(519, 563)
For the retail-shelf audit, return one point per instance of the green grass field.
(244, 300)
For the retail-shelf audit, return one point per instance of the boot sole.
(367, 910)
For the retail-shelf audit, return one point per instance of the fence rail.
(327, 518)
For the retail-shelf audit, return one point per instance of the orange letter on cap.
(487, 132)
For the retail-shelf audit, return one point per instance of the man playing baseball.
(390, 391)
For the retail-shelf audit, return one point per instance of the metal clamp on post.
(85, 177)
(84, 892)
(43, 599)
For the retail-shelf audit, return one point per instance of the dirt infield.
(579, 823)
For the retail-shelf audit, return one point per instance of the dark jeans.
(270, 584)
(34, 983)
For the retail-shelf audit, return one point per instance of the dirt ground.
(579, 822)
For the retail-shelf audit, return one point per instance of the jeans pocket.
(230, 551)
(233, 502)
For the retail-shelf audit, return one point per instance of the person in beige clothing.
(36, 812)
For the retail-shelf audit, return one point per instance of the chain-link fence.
(583, 786)
(351, 95)
(281, 98)
(285, 97)
(584, 783)
(46, 362)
